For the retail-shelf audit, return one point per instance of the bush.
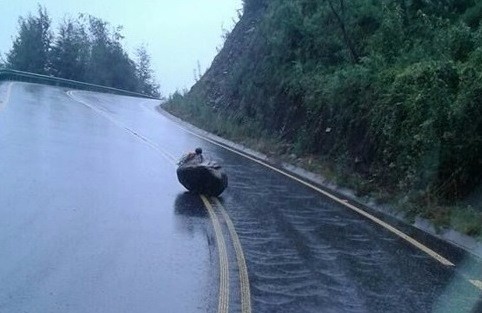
(387, 91)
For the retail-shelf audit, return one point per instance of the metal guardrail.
(62, 82)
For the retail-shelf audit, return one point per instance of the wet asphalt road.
(92, 219)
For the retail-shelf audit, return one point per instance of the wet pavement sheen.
(94, 220)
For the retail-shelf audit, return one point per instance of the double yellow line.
(223, 304)
(245, 293)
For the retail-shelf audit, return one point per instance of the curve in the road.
(223, 302)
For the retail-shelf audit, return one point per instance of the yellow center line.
(223, 304)
(343, 202)
(242, 268)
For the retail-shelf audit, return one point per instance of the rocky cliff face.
(214, 86)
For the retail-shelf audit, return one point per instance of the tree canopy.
(86, 49)
(31, 48)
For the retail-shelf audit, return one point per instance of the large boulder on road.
(206, 178)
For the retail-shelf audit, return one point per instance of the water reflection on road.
(94, 220)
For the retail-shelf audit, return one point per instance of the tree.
(98, 71)
(145, 76)
(70, 53)
(339, 12)
(85, 49)
(254, 5)
(444, 8)
(109, 63)
(31, 48)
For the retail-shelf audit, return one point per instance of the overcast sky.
(177, 33)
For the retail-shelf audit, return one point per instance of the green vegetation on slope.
(387, 93)
(84, 49)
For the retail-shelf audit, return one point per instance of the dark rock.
(206, 178)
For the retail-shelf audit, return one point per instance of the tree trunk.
(341, 23)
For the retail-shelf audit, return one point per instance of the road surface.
(92, 219)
